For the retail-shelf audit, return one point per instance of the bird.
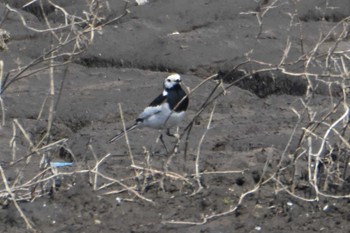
(167, 110)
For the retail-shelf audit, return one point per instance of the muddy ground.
(252, 125)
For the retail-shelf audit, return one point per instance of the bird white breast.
(158, 117)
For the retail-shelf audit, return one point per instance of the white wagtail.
(165, 111)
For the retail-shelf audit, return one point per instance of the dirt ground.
(253, 127)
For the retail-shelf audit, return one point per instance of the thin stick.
(1, 100)
(172, 175)
(198, 176)
(124, 186)
(42, 108)
(90, 28)
(127, 138)
(213, 216)
(231, 210)
(96, 166)
(26, 136)
(13, 197)
(222, 172)
(56, 144)
(13, 142)
(51, 98)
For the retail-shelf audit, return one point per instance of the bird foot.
(175, 135)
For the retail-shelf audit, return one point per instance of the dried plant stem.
(26, 136)
(222, 172)
(51, 97)
(198, 176)
(13, 142)
(96, 166)
(213, 216)
(73, 31)
(59, 143)
(127, 138)
(2, 105)
(232, 209)
(24, 23)
(129, 189)
(172, 175)
(13, 198)
(2, 111)
(42, 108)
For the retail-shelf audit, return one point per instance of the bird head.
(172, 80)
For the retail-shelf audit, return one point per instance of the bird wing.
(158, 100)
(148, 112)
(153, 108)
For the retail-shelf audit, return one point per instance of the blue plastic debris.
(60, 164)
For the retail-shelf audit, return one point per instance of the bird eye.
(168, 80)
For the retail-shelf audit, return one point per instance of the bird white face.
(172, 80)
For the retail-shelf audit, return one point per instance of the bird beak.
(178, 81)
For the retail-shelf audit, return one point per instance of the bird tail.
(118, 136)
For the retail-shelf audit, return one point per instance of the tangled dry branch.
(320, 160)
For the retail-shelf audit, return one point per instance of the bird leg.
(162, 141)
(175, 135)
